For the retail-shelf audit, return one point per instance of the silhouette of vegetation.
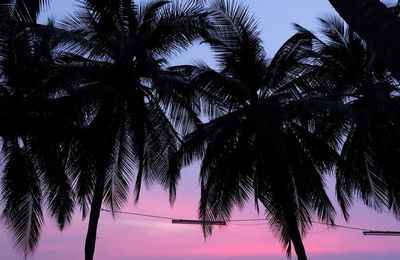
(34, 128)
(135, 99)
(376, 24)
(93, 110)
(111, 68)
(263, 146)
(367, 96)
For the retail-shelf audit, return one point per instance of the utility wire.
(319, 232)
(341, 226)
(171, 218)
(247, 220)
(137, 214)
(249, 224)
(233, 220)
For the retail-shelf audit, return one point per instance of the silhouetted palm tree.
(368, 96)
(135, 99)
(33, 116)
(92, 106)
(262, 146)
(376, 24)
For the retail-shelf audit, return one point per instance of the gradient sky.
(129, 237)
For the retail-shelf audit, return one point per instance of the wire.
(319, 232)
(237, 220)
(170, 218)
(137, 214)
(250, 224)
(341, 226)
(247, 220)
(315, 222)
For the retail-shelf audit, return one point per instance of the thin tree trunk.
(377, 25)
(296, 239)
(298, 244)
(94, 217)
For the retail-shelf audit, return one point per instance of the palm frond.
(49, 160)
(174, 27)
(21, 197)
(81, 168)
(120, 174)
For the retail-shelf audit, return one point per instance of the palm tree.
(32, 133)
(263, 146)
(376, 24)
(136, 103)
(369, 99)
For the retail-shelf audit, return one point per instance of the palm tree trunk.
(296, 239)
(94, 217)
(377, 25)
(298, 245)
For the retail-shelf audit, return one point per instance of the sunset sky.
(131, 237)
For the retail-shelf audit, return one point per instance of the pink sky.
(131, 237)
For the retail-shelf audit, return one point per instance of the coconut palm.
(263, 146)
(376, 24)
(135, 100)
(34, 130)
(369, 99)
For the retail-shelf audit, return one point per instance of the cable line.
(341, 226)
(137, 214)
(365, 231)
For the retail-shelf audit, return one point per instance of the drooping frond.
(21, 197)
(121, 171)
(49, 159)
(82, 171)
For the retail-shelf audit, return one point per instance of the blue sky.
(275, 19)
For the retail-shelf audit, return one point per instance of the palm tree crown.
(368, 97)
(134, 100)
(263, 146)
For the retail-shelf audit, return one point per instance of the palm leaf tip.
(22, 199)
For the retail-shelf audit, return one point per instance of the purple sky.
(139, 238)
(130, 237)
